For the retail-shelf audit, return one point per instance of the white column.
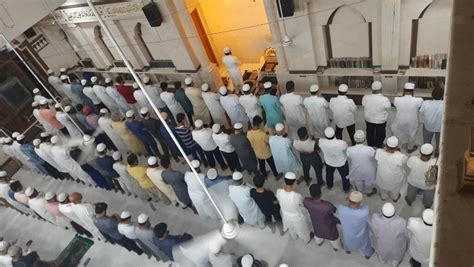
(390, 34)
(273, 24)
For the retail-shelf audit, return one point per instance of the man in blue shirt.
(138, 129)
(43, 166)
(106, 163)
(165, 242)
(213, 178)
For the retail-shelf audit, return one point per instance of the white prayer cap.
(329, 132)
(144, 110)
(13, 251)
(15, 135)
(246, 87)
(44, 134)
(409, 86)
(238, 126)
(129, 113)
(67, 108)
(125, 215)
(146, 79)
(49, 196)
(62, 69)
(246, 261)
(212, 173)
(279, 127)
(428, 216)
(34, 104)
(205, 87)
(7, 140)
(290, 176)
(20, 137)
(57, 105)
(195, 164)
(61, 197)
(43, 101)
(36, 142)
(377, 85)
(343, 88)
(87, 138)
(215, 247)
(152, 161)
(104, 111)
(101, 147)
(164, 115)
(355, 196)
(267, 85)
(142, 218)
(388, 210)
(29, 191)
(237, 176)
(54, 140)
(116, 155)
(283, 265)
(94, 79)
(226, 50)
(63, 77)
(426, 149)
(198, 123)
(216, 127)
(223, 90)
(135, 85)
(188, 81)
(83, 81)
(50, 71)
(3, 245)
(359, 135)
(392, 142)
(314, 88)
(107, 80)
(3, 173)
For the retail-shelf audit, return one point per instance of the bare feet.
(279, 176)
(374, 191)
(395, 200)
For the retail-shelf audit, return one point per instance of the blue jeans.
(428, 136)
(198, 154)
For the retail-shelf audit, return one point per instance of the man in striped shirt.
(189, 145)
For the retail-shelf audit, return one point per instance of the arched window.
(141, 43)
(100, 41)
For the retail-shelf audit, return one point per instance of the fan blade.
(195, 252)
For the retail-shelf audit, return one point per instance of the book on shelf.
(427, 82)
(432, 61)
(350, 62)
(354, 81)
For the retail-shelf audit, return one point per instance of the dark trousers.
(273, 212)
(414, 263)
(190, 117)
(343, 171)
(129, 245)
(164, 147)
(375, 133)
(198, 154)
(210, 155)
(52, 171)
(315, 161)
(350, 130)
(64, 131)
(232, 160)
(103, 138)
(100, 106)
(151, 147)
(271, 163)
(80, 230)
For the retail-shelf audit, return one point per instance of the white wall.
(434, 29)
(58, 53)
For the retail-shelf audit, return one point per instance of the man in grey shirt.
(176, 180)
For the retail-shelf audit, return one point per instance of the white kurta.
(283, 154)
(44, 151)
(295, 114)
(19, 155)
(38, 204)
(213, 103)
(155, 176)
(128, 230)
(390, 169)
(376, 108)
(199, 198)
(293, 216)
(72, 96)
(236, 112)
(89, 92)
(4, 188)
(118, 99)
(390, 237)
(142, 101)
(233, 67)
(108, 101)
(154, 93)
(248, 209)
(71, 128)
(251, 105)
(105, 124)
(199, 106)
(57, 84)
(421, 235)
(63, 158)
(318, 112)
(343, 110)
(128, 181)
(362, 165)
(405, 125)
(84, 212)
(47, 127)
(172, 104)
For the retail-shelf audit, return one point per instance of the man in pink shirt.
(52, 208)
(50, 116)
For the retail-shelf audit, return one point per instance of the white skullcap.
(3, 173)
(388, 210)
(50, 71)
(238, 126)
(83, 81)
(43, 101)
(343, 88)
(49, 195)
(13, 251)
(101, 147)
(392, 142)
(204, 87)
(377, 85)
(129, 113)
(54, 140)
(62, 70)
(267, 85)
(135, 85)
(107, 80)
(15, 135)
(195, 164)
(359, 135)
(104, 111)
(57, 105)
(36, 90)
(36, 142)
(428, 216)
(44, 134)
(188, 81)
(216, 127)
(226, 50)
(94, 79)
(314, 88)
(61, 197)
(290, 176)
(34, 104)
(237, 176)
(29, 191)
(355, 196)
(279, 127)
(246, 87)
(63, 77)
(146, 79)
(152, 161)
(125, 215)
(144, 110)
(198, 123)
(283, 265)
(5, 244)
(116, 155)
(215, 247)
(164, 115)
(409, 86)
(212, 173)
(329, 132)
(426, 149)
(246, 261)
(142, 218)
(223, 90)
(20, 137)
(67, 108)
(87, 138)
(7, 140)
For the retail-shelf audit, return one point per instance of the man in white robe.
(89, 92)
(199, 106)
(168, 97)
(154, 93)
(362, 165)
(56, 83)
(420, 235)
(318, 111)
(376, 107)
(117, 97)
(212, 101)
(44, 150)
(68, 90)
(84, 212)
(154, 173)
(343, 112)
(18, 154)
(37, 203)
(292, 210)
(250, 102)
(405, 125)
(248, 209)
(233, 108)
(141, 99)
(37, 96)
(232, 64)
(64, 120)
(101, 93)
(105, 124)
(295, 114)
(282, 151)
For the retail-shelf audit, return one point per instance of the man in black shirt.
(153, 126)
(265, 200)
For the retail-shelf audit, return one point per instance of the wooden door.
(203, 36)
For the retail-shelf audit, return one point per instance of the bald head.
(75, 197)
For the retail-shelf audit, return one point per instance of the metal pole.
(39, 80)
(142, 87)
